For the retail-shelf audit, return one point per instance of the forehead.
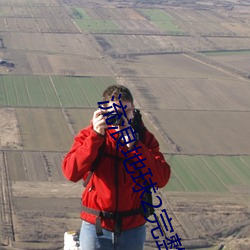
(124, 103)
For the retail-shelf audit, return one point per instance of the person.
(111, 200)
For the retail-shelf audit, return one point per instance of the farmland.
(209, 173)
(47, 54)
(186, 63)
(235, 59)
(162, 20)
(55, 91)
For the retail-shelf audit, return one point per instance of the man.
(112, 217)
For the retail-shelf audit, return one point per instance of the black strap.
(114, 157)
(98, 227)
(110, 215)
(138, 125)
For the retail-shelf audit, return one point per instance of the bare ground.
(9, 136)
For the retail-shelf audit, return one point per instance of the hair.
(116, 90)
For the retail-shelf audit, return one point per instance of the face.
(129, 109)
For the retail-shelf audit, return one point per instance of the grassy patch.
(85, 22)
(2, 14)
(168, 26)
(226, 53)
(154, 15)
(79, 13)
(162, 20)
(93, 25)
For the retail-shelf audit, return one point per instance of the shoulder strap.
(95, 164)
(138, 125)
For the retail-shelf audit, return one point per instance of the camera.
(114, 118)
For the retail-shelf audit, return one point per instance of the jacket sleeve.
(83, 152)
(154, 160)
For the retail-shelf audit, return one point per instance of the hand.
(99, 122)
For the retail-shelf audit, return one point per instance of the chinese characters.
(141, 175)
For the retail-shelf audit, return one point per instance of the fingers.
(98, 119)
(100, 125)
(98, 116)
(97, 113)
(99, 122)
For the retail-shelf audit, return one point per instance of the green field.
(79, 13)
(87, 23)
(55, 91)
(161, 19)
(93, 25)
(226, 53)
(156, 15)
(208, 173)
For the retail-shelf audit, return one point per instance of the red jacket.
(101, 191)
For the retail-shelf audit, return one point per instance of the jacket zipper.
(117, 219)
(124, 175)
(116, 180)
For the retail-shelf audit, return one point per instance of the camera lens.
(114, 119)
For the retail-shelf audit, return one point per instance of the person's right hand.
(99, 122)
